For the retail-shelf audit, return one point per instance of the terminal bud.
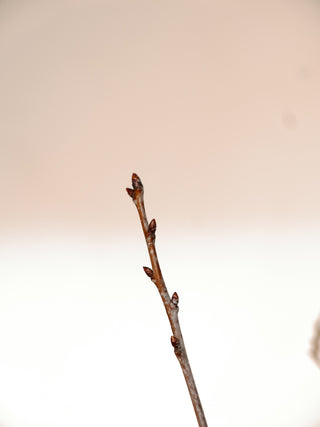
(136, 182)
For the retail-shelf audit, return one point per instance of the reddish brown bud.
(174, 342)
(175, 299)
(136, 182)
(152, 226)
(130, 192)
(148, 272)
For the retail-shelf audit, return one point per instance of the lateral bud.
(177, 347)
(152, 226)
(148, 272)
(175, 299)
(174, 342)
(130, 191)
(136, 182)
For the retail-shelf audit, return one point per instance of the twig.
(315, 343)
(170, 304)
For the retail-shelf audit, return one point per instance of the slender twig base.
(170, 304)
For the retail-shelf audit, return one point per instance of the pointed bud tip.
(148, 272)
(152, 226)
(175, 298)
(136, 181)
(130, 192)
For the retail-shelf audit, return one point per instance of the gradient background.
(215, 104)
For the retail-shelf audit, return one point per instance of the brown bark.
(170, 304)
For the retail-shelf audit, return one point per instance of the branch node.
(148, 272)
(177, 346)
(174, 341)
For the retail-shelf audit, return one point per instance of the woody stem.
(170, 304)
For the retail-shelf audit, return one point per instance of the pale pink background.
(216, 105)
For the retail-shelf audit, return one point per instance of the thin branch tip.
(170, 304)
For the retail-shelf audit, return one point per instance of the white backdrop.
(85, 340)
